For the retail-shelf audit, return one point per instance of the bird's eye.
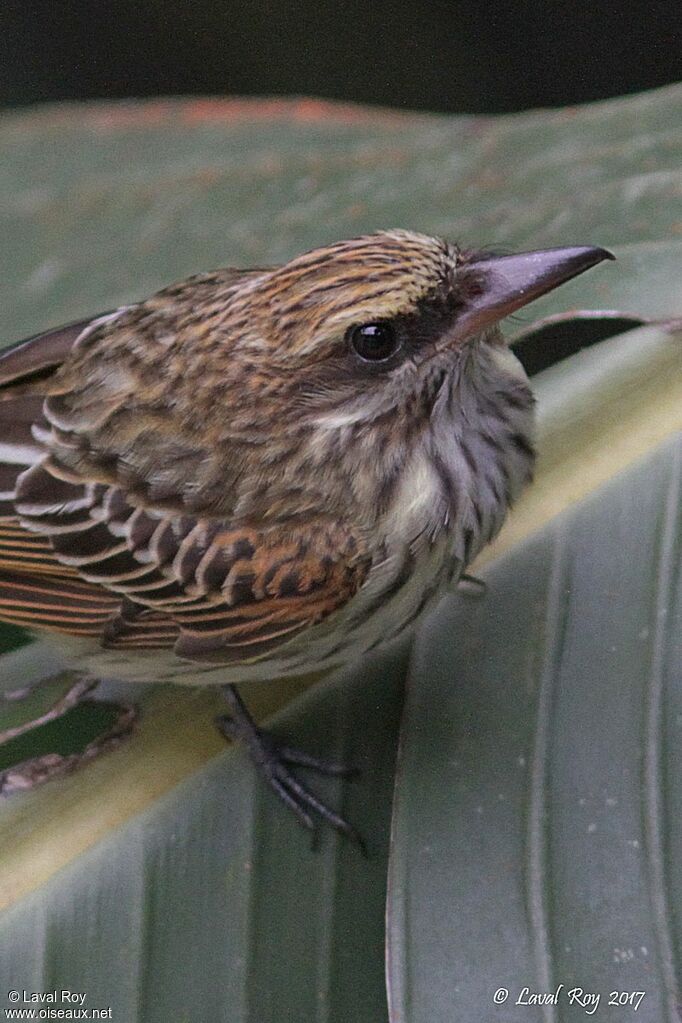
(374, 342)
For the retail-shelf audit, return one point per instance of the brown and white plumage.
(215, 473)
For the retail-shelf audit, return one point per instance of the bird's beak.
(499, 285)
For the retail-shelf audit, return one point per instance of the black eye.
(374, 342)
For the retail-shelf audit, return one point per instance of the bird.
(260, 473)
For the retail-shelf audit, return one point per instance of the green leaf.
(212, 904)
(104, 203)
(161, 879)
(536, 837)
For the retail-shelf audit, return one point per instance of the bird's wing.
(35, 589)
(214, 590)
(31, 360)
(86, 557)
(25, 369)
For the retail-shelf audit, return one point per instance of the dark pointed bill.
(504, 284)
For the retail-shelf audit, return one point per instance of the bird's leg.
(274, 759)
(35, 770)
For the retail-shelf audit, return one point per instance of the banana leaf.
(161, 880)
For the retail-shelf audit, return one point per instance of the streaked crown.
(380, 276)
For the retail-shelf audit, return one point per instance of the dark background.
(471, 55)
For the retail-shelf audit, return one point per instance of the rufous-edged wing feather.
(224, 592)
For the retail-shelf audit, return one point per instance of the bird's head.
(367, 361)
(371, 326)
(358, 372)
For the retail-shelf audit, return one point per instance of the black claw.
(294, 805)
(272, 760)
(303, 795)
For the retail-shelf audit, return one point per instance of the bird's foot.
(35, 771)
(274, 760)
